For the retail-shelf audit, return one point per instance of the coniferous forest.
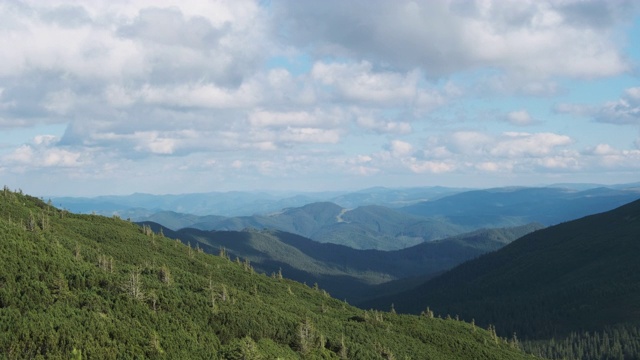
(93, 287)
(570, 291)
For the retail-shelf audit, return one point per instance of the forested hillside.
(577, 283)
(345, 272)
(87, 286)
(365, 227)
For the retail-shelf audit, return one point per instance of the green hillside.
(345, 272)
(579, 276)
(85, 286)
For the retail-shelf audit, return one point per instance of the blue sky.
(116, 97)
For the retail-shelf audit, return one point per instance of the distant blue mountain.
(515, 206)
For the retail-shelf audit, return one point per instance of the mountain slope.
(576, 276)
(95, 287)
(345, 272)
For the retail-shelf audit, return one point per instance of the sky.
(159, 96)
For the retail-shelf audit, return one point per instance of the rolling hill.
(74, 286)
(365, 227)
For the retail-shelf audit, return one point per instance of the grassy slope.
(102, 287)
(579, 275)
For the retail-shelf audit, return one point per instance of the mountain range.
(448, 212)
(243, 203)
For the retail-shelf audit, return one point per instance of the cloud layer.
(290, 94)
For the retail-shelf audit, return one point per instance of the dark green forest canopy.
(345, 272)
(577, 282)
(105, 288)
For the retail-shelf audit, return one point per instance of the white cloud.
(309, 135)
(495, 166)
(202, 95)
(443, 37)
(609, 157)
(42, 152)
(468, 151)
(623, 111)
(238, 89)
(357, 82)
(400, 149)
(512, 144)
(469, 142)
(509, 145)
(559, 162)
(435, 167)
(604, 149)
(272, 119)
(520, 118)
(382, 126)
(60, 102)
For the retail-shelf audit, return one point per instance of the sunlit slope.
(104, 288)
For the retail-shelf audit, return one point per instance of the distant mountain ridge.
(365, 227)
(447, 213)
(244, 203)
(512, 206)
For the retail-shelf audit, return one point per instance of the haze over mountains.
(243, 203)
(400, 219)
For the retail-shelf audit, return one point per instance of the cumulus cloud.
(42, 152)
(383, 126)
(506, 145)
(608, 157)
(520, 118)
(542, 37)
(512, 144)
(623, 111)
(473, 151)
(273, 119)
(209, 87)
(360, 83)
